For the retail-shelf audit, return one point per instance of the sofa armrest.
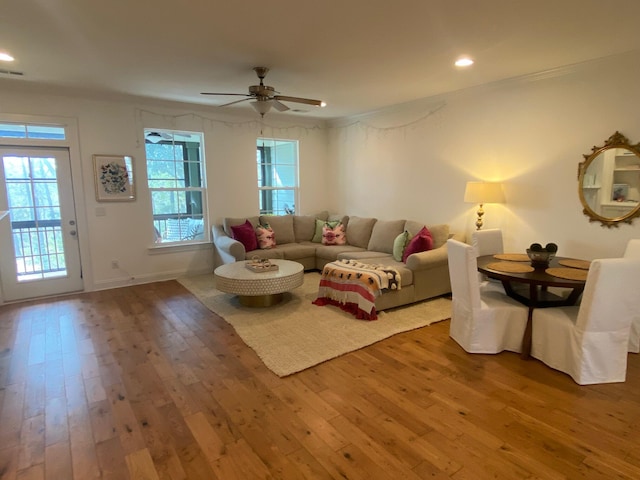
(230, 250)
(431, 258)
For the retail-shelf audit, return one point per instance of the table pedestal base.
(260, 300)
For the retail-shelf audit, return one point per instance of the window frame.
(267, 166)
(159, 221)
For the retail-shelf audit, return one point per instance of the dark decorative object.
(541, 256)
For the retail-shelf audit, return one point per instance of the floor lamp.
(481, 193)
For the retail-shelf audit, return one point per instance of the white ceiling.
(357, 55)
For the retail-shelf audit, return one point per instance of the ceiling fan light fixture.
(154, 137)
(261, 106)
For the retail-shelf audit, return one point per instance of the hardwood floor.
(145, 383)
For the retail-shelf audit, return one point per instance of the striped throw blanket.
(354, 286)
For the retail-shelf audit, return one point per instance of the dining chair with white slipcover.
(482, 320)
(487, 242)
(633, 248)
(633, 251)
(590, 341)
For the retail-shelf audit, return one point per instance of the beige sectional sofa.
(369, 240)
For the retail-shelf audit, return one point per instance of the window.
(277, 176)
(175, 173)
(32, 131)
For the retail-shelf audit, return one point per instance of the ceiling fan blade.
(236, 94)
(308, 101)
(281, 107)
(237, 101)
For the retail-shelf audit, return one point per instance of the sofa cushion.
(304, 226)
(297, 251)
(333, 235)
(228, 221)
(420, 243)
(331, 252)
(344, 219)
(367, 255)
(266, 237)
(383, 234)
(276, 252)
(359, 231)
(282, 226)
(439, 233)
(399, 244)
(246, 235)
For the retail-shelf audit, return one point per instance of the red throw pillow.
(246, 235)
(420, 243)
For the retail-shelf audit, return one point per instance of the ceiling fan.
(264, 97)
(157, 137)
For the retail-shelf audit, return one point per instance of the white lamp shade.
(484, 192)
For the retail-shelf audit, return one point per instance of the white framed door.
(40, 254)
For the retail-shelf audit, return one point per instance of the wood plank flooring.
(144, 382)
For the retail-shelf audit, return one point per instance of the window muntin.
(277, 163)
(175, 176)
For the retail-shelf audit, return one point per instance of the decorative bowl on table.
(541, 256)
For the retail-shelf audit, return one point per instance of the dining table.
(529, 284)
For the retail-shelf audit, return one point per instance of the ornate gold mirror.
(609, 182)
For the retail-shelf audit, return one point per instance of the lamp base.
(480, 213)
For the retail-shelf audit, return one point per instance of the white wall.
(413, 161)
(116, 127)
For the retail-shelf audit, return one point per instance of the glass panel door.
(40, 229)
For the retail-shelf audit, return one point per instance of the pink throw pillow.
(246, 235)
(420, 243)
(333, 236)
(266, 237)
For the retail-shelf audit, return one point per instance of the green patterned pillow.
(317, 236)
(399, 244)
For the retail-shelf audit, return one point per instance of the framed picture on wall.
(114, 178)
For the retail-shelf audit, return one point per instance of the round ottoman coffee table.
(259, 289)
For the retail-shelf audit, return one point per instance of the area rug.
(295, 334)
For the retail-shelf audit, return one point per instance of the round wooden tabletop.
(537, 276)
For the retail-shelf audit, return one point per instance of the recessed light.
(5, 57)
(464, 62)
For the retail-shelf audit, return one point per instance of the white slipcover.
(487, 242)
(633, 248)
(590, 341)
(633, 251)
(482, 320)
